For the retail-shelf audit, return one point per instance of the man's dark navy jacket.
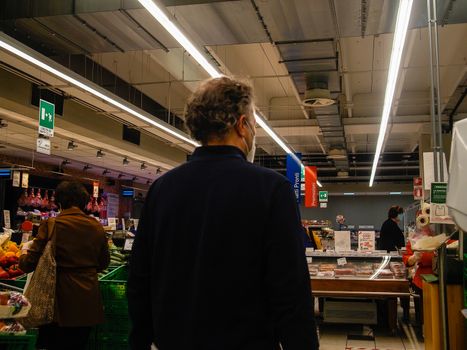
(218, 262)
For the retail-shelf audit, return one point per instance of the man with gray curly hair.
(218, 261)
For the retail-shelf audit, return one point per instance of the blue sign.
(294, 173)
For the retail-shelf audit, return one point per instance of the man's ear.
(240, 126)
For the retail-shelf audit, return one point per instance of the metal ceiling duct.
(317, 94)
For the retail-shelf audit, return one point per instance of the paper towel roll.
(423, 221)
(426, 209)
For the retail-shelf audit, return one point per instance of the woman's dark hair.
(394, 211)
(215, 107)
(71, 194)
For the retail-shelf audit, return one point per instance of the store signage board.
(46, 118)
(439, 213)
(366, 241)
(112, 205)
(417, 188)
(43, 146)
(311, 187)
(294, 174)
(429, 169)
(25, 180)
(6, 219)
(323, 205)
(439, 192)
(16, 178)
(95, 189)
(323, 196)
(128, 246)
(342, 241)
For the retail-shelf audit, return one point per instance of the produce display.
(9, 258)
(13, 305)
(116, 258)
(11, 327)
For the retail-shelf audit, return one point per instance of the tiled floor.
(339, 337)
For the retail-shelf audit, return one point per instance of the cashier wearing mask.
(218, 261)
(391, 236)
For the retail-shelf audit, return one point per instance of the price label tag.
(309, 259)
(341, 261)
(112, 222)
(128, 244)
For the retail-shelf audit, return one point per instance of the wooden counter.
(374, 289)
(432, 317)
(364, 288)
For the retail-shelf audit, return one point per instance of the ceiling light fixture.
(11, 46)
(177, 34)
(155, 9)
(148, 182)
(105, 172)
(65, 162)
(120, 175)
(158, 171)
(143, 166)
(100, 154)
(87, 167)
(125, 161)
(134, 178)
(71, 146)
(400, 33)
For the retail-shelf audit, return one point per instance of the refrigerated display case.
(358, 277)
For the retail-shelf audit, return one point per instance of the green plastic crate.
(18, 282)
(18, 342)
(113, 334)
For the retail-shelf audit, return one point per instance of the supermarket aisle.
(345, 337)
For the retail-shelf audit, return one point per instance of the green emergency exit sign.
(46, 118)
(323, 196)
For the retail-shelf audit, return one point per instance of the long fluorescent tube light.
(160, 16)
(402, 22)
(94, 92)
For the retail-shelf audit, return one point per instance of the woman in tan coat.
(81, 252)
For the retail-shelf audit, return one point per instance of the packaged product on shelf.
(327, 267)
(325, 274)
(344, 272)
(364, 272)
(313, 269)
(385, 273)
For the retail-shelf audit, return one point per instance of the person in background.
(218, 261)
(340, 220)
(391, 236)
(81, 251)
